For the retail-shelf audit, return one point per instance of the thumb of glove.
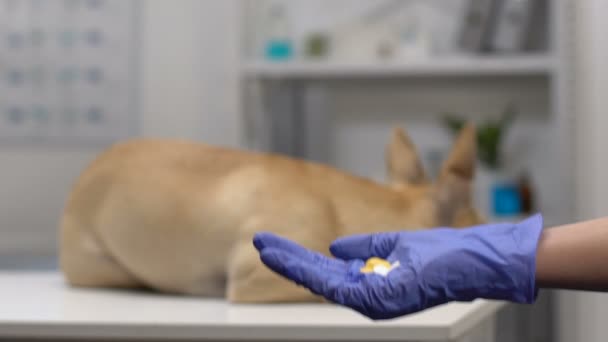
(364, 246)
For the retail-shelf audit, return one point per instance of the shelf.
(438, 67)
(39, 304)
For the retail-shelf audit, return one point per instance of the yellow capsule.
(373, 262)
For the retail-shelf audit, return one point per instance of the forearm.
(574, 256)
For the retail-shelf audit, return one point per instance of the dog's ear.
(461, 161)
(454, 185)
(402, 161)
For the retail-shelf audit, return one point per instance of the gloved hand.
(493, 261)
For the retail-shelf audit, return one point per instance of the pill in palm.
(378, 266)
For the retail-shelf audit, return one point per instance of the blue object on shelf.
(505, 199)
(279, 50)
(278, 43)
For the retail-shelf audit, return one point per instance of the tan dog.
(179, 217)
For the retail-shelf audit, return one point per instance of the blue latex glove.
(493, 261)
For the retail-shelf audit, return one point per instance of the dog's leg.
(85, 262)
(250, 281)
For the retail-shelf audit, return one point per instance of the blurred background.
(320, 80)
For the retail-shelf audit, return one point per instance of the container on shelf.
(278, 44)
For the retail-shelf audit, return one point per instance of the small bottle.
(278, 45)
(413, 38)
(506, 200)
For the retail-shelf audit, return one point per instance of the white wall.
(33, 183)
(190, 78)
(188, 89)
(582, 316)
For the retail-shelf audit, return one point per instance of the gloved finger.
(364, 300)
(265, 240)
(314, 276)
(366, 294)
(372, 295)
(339, 287)
(364, 246)
(379, 297)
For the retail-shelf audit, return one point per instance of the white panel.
(190, 85)
(182, 95)
(68, 71)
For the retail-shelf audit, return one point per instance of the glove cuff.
(504, 262)
(515, 247)
(529, 232)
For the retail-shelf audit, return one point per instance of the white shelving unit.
(283, 118)
(542, 64)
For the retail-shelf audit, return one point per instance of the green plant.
(490, 135)
(317, 45)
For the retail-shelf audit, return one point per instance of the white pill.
(383, 270)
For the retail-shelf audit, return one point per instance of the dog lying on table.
(179, 217)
